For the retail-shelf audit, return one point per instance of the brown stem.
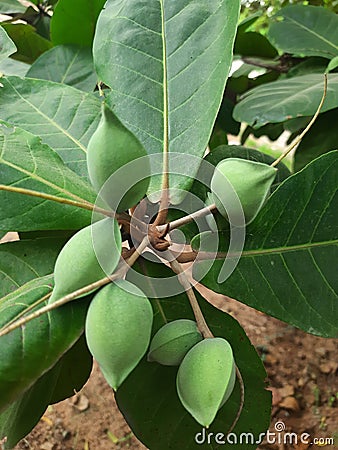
(79, 292)
(200, 320)
(164, 204)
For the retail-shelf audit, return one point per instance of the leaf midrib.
(165, 180)
(278, 250)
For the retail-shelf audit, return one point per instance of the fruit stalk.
(187, 219)
(200, 320)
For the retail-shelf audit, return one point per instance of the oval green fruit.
(118, 329)
(204, 377)
(172, 342)
(250, 180)
(111, 147)
(91, 254)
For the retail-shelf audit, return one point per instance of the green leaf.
(271, 130)
(30, 45)
(11, 6)
(7, 46)
(27, 163)
(254, 44)
(308, 66)
(68, 64)
(148, 397)
(246, 23)
(167, 64)
(333, 64)
(287, 268)
(314, 31)
(321, 138)
(11, 66)
(28, 352)
(74, 369)
(23, 414)
(65, 378)
(282, 100)
(74, 22)
(63, 116)
(24, 260)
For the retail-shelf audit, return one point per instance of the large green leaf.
(28, 352)
(30, 45)
(23, 414)
(74, 367)
(288, 266)
(24, 260)
(27, 163)
(63, 116)
(321, 138)
(313, 31)
(11, 66)
(74, 22)
(69, 64)
(11, 6)
(7, 46)
(148, 397)
(167, 64)
(71, 372)
(282, 100)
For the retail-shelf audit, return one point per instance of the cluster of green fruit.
(207, 371)
(119, 319)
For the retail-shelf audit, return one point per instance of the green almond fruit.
(205, 379)
(250, 180)
(111, 147)
(91, 254)
(118, 329)
(172, 342)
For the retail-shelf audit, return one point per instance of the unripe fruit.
(250, 180)
(110, 148)
(118, 329)
(172, 342)
(91, 254)
(205, 379)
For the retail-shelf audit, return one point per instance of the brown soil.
(302, 373)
